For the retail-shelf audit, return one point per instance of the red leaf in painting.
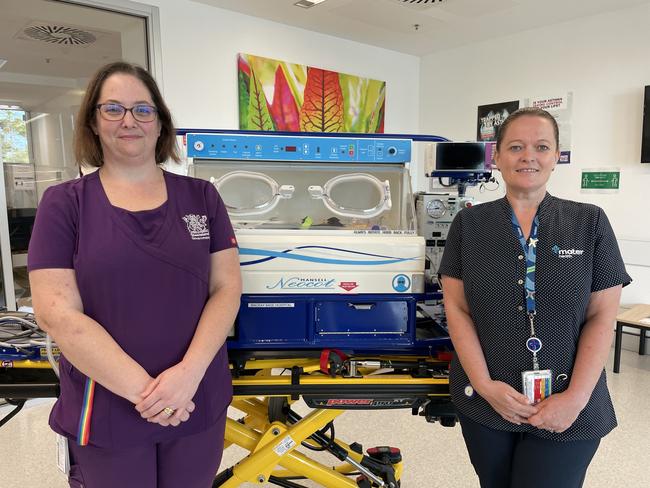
(284, 109)
(322, 110)
(242, 64)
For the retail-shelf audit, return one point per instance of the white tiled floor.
(434, 455)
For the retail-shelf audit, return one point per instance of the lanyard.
(533, 344)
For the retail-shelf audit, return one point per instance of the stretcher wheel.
(364, 482)
(278, 409)
(222, 477)
(448, 421)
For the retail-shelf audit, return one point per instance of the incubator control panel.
(298, 148)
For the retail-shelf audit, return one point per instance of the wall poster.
(490, 117)
(280, 96)
(559, 107)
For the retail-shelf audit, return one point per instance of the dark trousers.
(520, 460)
(188, 462)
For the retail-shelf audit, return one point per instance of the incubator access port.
(325, 192)
(276, 192)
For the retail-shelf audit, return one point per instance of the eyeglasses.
(115, 112)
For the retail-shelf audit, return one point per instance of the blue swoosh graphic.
(299, 257)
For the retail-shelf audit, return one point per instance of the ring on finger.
(169, 411)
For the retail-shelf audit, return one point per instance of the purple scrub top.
(144, 277)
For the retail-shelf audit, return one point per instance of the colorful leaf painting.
(259, 117)
(284, 109)
(277, 95)
(322, 109)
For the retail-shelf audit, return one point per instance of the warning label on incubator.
(348, 285)
(284, 446)
(271, 305)
(386, 232)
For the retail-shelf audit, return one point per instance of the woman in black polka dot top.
(531, 288)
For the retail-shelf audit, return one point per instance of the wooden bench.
(630, 318)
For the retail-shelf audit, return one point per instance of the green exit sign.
(600, 180)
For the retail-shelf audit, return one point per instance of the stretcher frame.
(272, 440)
(272, 443)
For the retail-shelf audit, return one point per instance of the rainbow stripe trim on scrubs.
(86, 413)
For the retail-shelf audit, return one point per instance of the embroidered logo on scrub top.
(197, 225)
(566, 253)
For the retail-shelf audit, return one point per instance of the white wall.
(603, 60)
(199, 59)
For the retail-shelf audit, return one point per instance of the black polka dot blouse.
(577, 254)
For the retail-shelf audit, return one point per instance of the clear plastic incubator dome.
(309, 195)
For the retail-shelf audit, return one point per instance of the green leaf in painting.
(259, 117)
(244, 99)
(375, 102)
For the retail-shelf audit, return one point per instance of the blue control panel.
(298, 148)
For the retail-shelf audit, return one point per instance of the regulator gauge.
(436, 208)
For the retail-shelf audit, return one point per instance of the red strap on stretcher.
(325, 359)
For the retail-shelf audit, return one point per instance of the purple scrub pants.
(189, 462)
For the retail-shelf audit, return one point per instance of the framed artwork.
(280, 96)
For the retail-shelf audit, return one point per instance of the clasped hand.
(555, 413)
(508, 402)
(174, 388)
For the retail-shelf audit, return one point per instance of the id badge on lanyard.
(537, 384)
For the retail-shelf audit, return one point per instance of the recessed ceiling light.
(308, 3)
(2, 62)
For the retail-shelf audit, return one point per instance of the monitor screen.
(460, 156)
(645, 138)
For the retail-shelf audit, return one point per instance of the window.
(13, 134)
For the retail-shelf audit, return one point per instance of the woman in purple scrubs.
(135, 273)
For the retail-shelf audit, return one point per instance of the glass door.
(48, 51)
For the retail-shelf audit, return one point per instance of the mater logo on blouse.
(566, 253)
(197, 225)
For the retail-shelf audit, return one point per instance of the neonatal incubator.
(328, 243)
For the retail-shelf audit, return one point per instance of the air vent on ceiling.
(57, 34)
(308, 3)
(423, 2)
(420, 4)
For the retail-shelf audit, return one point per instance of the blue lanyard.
(530, 251)
(533, 344)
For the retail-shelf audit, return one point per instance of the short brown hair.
(87, 147)
(530, 112)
